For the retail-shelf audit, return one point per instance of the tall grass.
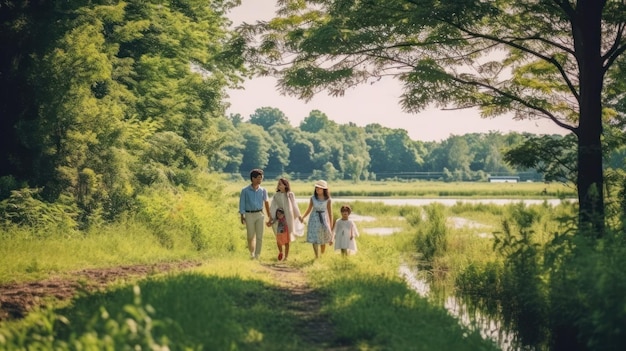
(426, 189)
(556, 289)
(171, 224)
(23, 258)
(230, 302)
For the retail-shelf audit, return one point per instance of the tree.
(354, 151)
(391, 150)
(93, 88)
(459, 157)
(535, 59)
(266, 117)
(279, 153)
(229, 156)
(301, 155)
(258, 144)
(317, 121)
(554, 156)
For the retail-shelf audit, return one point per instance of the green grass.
(425, 189)
(24, 259)
(230, 302)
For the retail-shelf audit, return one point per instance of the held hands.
(269, 223)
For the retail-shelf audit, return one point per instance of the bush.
(135, 328)
(24, 208)
(431, 239)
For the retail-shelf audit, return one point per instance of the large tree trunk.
(587, 36)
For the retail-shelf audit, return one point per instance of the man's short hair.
(255, 173)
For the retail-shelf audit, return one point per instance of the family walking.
(286, 221)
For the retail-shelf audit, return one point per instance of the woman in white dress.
(285, 200)
(345, 232)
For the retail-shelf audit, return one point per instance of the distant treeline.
(322, 148)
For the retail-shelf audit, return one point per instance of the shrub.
(431, 239)
(135, 328)
(24, 208)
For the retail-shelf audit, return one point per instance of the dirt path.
(16, 300)
(305, 303)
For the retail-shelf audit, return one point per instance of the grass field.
(230, 302)
(426, 189)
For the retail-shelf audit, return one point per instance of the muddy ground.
(16, 300)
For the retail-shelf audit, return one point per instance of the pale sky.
(366, 104)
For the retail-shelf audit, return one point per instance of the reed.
(425, 189)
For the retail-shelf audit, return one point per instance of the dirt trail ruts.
(17, 299)
(306, 303)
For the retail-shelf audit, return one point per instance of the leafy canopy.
(499, 56)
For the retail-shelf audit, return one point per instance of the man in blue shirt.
(251, 201)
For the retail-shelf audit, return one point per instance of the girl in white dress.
(345, 232)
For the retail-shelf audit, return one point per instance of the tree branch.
(518, 100)
(511, 43)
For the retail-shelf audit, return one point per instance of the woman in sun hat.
(319, 231)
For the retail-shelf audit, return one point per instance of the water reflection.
(467, 316)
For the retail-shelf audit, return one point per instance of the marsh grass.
(424, 189)
(231, 302)
(373, 308)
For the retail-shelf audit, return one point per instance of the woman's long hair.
(286, 183)
(326, 194)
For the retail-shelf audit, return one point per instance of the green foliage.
(431, 239)
(522, 282)
(317, 121)
(188, 218)
(587, 307)
(548, 284)
(555, 157)
(267, 117)
(257, 147)
(7, 184)
(25, 208)
(114, 97)
(135, 327)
